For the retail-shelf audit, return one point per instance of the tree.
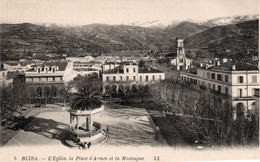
(9, 103)
(142, 90)
(126, 92)
(64, 91)
(141, 63)
(87, 97)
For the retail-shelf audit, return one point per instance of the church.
(181, 61)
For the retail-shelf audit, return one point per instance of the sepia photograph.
(129, 80)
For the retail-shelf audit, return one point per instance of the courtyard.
(126, 126)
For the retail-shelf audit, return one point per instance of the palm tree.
(87, 97)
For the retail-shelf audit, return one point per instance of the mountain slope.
(228, 20)
(26, 39)
(238, 38)
(185, 29)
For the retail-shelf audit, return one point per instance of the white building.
(130, 74)
(238, 80)
(46, 78)
(181, 61)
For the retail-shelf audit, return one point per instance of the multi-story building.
(238, 80)
(44, 79)
(129, 74)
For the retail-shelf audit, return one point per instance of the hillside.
(239, 38)
(26, 39)
(185, 29)
(21, 40)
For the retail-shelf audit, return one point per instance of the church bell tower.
(181, 58)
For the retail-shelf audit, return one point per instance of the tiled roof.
(114, 71)
(149, 70)
(12, 63)
(239, 66)
(62, 65)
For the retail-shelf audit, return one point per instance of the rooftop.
(149, 70)
(62, 65)
(239, 66)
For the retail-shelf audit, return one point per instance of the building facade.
(44, 79)
(130, 75)
(181, 61)
(233, 79)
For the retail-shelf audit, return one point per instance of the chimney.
(234, 67)
(224, 60)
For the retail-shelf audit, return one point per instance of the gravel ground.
(127, 127)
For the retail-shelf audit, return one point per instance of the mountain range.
(237, 33)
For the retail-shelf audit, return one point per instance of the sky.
(82, 12)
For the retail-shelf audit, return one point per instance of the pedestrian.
(157, 135)
(89, 144)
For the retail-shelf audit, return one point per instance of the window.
(107, 78)
(134, 70)
(208, 75)
(254, 79)
(114, 78)
(146, 78)
(160, 77)
(121, 78)
(127, 78)
(240, 94)
(127, 70)
(153, 77)
(39, 70)
(214, 88)
(219, 77)
(134, 78)
(240, 79)
(208, 85)
(219, 89)
(213, 76)
(226, 90)
(53, 78)
(140, 78)
(181, 60)
(181, 77)
(42, 68)
(226, 78)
